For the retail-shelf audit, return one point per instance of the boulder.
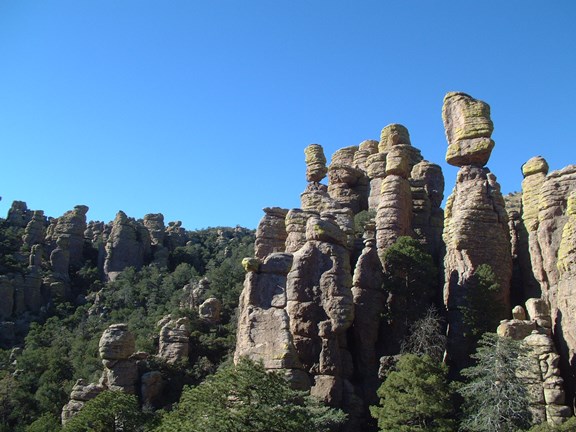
(468, 130)
(315, 163)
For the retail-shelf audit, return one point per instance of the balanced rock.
(476, 228)
(315, 163)
(116, 343)
(468, 130)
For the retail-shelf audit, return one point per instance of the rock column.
(476, 224)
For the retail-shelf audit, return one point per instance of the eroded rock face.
(18, 214)
(541, 371)
(154, 223)
(348, 184)
(174, 344)
(210, 310)
(81, 393)
(476, 223)
(468, 130)
(566, 314)
(271, 233)
(35, 229)
(72, 225)
(263, 324)
(320, 307)
(116, 347)
(128, 246)
(394, 214)
(369, 304)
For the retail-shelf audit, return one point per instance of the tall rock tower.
(476, 224)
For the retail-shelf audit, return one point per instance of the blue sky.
(201, 110)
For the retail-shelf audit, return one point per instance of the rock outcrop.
(128, 246)
(311, 306)
(116, 347)
(541, 371)
(476, 223)
(174, 344)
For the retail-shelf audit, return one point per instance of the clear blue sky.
(201, 109)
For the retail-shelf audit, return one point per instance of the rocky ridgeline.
(51, 249)
(314, 292)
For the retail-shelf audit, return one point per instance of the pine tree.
(495, 398)
(247, 398)
(415, 397)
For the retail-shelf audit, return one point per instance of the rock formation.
(313, 294)
(116, 347)
(210, 310)
(271, 233)
(174, 344)
(476, 224)
(72, 225)
(35, 229)
(128, 246)
(541, 372)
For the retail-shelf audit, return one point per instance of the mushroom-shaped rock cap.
(468, 129)
(116, 343)
(535, 165)
(392, 135)
(315, 163)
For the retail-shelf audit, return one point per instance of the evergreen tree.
(495, 398)
(247, 398)
(483, 308)
(110, 411)
(415, 397)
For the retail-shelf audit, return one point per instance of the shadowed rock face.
(476, 223)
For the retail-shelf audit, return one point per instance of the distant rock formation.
(129, 245)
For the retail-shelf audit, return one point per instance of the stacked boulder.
(476, 223)
(394, 213)
(541, 372)
(116, 349)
